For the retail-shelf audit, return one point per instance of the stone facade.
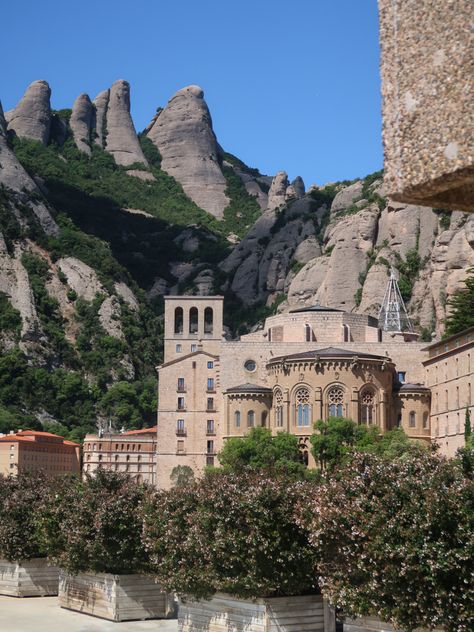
(132, 452)
(427, 93)
(284, 376)
(450, 376)
(33, 451)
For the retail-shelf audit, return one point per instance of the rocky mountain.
(97, 222)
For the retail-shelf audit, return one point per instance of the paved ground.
(42, 614)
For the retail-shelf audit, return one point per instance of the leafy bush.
(10, 319)
(394, 539)
(20, 500)
(96, 525)
(230, 532)
(337, 438)
(260, 450)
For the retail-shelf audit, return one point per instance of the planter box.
(114, 597)
(372, 624)
(224, 612)
(29, 578)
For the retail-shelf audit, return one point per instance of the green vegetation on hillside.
(461, 307)
(243, 210)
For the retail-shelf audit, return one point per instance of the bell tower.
(192, 323)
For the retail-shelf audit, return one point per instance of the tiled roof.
(249, 388)
(315, 308)
(413, 387)
(30, 435)
(152, 430)
(37, 433)
(329, 352)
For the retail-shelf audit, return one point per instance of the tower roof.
(393, 314)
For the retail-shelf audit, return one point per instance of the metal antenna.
(393, 314)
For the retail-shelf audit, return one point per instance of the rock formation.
(296, 189)
(121, 139)
(277, 192)
(14, 177)
(82, 122)
(32, 116)
(183, 134)
(101, 103)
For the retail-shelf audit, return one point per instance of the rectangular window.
(210, 426)
(194, 348)
(210, 461)
(210, 365)
(210, 447)
(180, 403)
(210, 403)
(180, 447)
(179, 348)
(180, 383)
(210, 383)
(180, 426)
(401, 376)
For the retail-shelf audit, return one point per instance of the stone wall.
(426, 66)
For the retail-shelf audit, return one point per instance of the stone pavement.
(42, 614)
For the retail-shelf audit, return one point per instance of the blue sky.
(290, 85)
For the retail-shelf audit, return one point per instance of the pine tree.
(462, 307)
(467, 429)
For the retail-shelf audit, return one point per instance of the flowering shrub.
(96, 525)
(233, 533)
(20, 499)
(395, 539)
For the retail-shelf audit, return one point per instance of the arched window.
(336, 402)
(346, 333)
(237, 418)
(278, 408)
(367, 407)
(303, 407)
(264, 419)
(208, 320)
(193, 320)
(412, 419)
(425, 421)
(250, 419)
(178, 320)
(309, 334)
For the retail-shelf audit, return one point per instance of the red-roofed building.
(132, 452)
(30, 451)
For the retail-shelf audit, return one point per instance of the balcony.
(181, 389)
(181, 432)
(211, 391)
(180, 409)
(210, 433)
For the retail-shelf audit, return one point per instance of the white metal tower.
(393, 314)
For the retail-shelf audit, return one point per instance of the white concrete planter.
(114, 597)
(372, 624)
(275, 614)
(29, 578)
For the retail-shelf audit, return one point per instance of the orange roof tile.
(24, 433)
(142, 431)
(29, 435)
